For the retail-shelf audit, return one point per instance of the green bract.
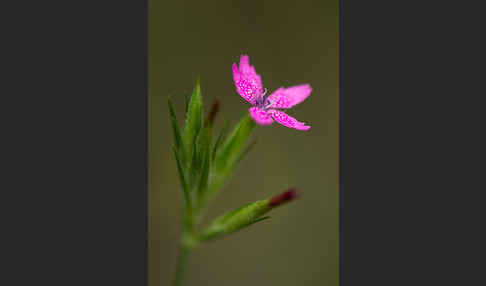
(236, 219)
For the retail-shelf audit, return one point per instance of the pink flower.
(249, 85)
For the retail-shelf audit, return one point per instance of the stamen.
(266, 104)
(265, 92)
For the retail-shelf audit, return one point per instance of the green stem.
(187, 243)
(180, 277)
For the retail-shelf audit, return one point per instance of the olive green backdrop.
(289, 42)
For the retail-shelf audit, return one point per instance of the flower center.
(262, 101)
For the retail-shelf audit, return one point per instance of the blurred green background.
(289, 43)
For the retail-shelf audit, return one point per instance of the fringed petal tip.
(302, 127)
(244, 62)
(287, 120)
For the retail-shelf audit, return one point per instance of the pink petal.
(248, 83)
(249, 71)
(288, 97)
(245, 64)
(260, 116)
(287, 120)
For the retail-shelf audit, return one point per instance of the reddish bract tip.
(283, 198)
(214, 110)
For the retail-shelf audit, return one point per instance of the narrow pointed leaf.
(227, 158)
(203, 181)
(194, 167)
(233, 145)
(182, 178)
(245, 151)
(258, 220)
(177, 133)
(203, 150)
(193, 121)
(224, 175)
(220, 138)
(186, 100)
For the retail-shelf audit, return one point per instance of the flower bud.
(283, 198)
(245, 215)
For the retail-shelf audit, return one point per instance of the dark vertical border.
(341, 198)
(411, 155)
(76, 154)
